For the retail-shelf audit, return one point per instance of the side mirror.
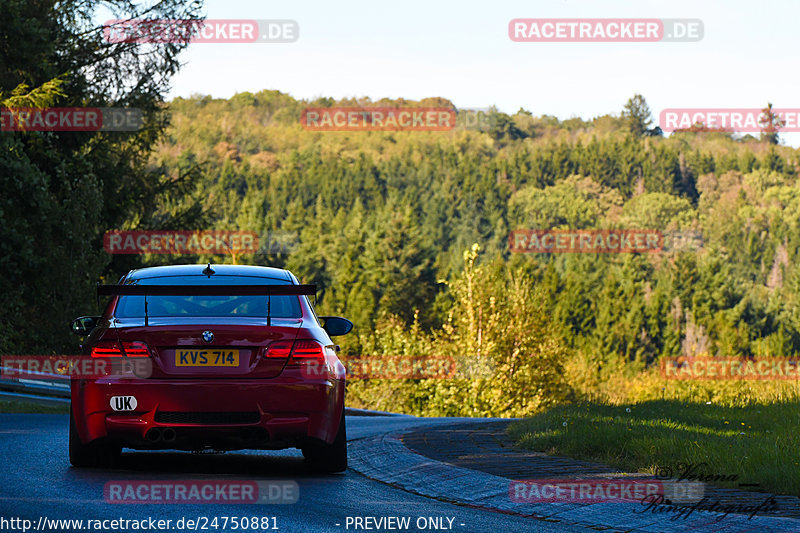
(84, 325)
(336, 325)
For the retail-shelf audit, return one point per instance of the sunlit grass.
(758, 443)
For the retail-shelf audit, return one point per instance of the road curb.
(386, 459)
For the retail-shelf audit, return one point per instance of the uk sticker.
(123, 403)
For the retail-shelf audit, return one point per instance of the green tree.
(637, 115)
(770, 123)
(63, 190)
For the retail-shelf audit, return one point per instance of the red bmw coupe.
(227, 349)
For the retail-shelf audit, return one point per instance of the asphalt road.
(37, 482)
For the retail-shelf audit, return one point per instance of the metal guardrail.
(56, 392)
(57, 386)
(352, 411)
(30, 398)
(35, 387)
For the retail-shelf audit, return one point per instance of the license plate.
(206, 357)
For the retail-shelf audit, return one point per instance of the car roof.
(223, 270)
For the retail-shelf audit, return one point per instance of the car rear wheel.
(98, 454)
(324, 457)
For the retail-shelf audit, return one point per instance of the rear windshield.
(208, 306)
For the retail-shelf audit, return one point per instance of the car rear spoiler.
(206, 290)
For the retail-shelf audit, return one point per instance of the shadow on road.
(174, 465)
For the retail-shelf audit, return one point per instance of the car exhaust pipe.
(154, 435)
(168, 435)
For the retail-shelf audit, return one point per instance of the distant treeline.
(381, 221)
(384, 217)
(406, 233)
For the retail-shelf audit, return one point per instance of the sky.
(462, 51)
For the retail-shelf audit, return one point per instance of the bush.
(508, 356)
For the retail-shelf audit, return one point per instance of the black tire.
(329, 458)
(97, 454)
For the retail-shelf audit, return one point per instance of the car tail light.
(279, 349)
(106, 349)
(307, 350)
(113, 349)
(135, 349)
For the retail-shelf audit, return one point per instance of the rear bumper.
(220, 413)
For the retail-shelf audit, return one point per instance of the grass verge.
(14, 406)
(757, 443)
